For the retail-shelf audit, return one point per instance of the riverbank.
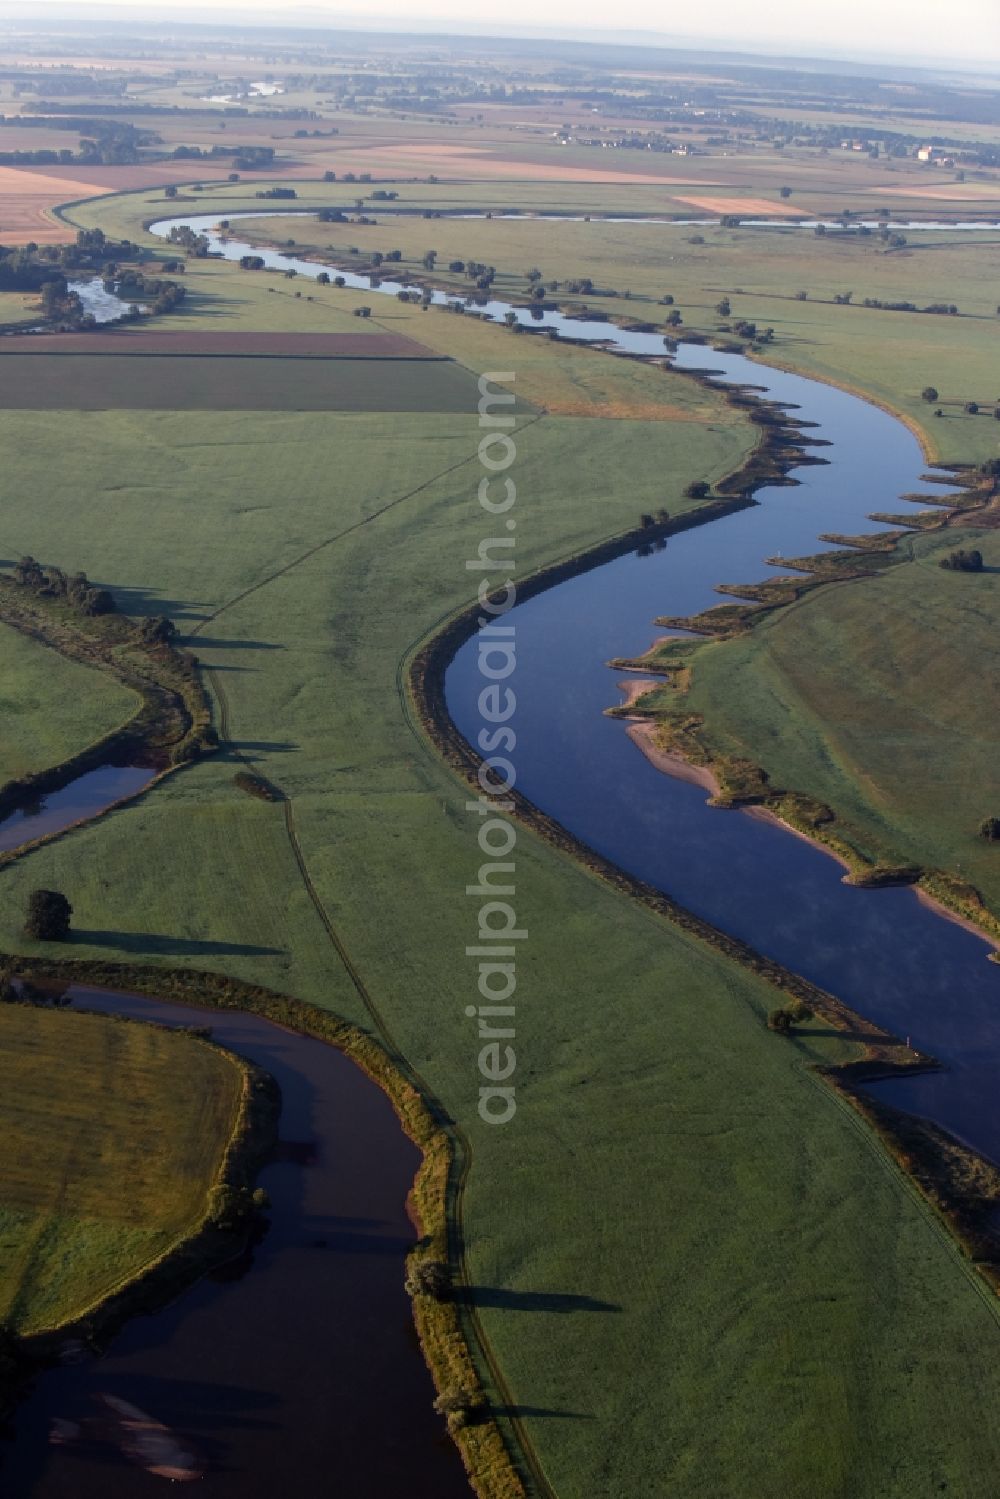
(171, 728)
(875, 684)
(176, 1201)
(439, 1321)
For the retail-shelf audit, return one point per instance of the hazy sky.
(960, 29)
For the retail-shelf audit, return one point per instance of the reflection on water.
(85, 797)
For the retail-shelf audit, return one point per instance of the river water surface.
(295, 1371)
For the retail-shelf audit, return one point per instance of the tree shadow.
(540, 1412)
(535, 1301)
(150, 942)
(205, 643)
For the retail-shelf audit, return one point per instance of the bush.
(964, 561)
(430, 1278)
(929, 394)
(990, 829)
(697, 489)
(48, 918)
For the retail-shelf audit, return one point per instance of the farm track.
(463, 1152)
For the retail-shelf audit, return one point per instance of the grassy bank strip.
(741, 782)
(172, 726)
(439, 1321)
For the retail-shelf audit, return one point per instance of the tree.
(697, 489)
(48, 918)
(429, 1278)
(964, 561)
(929, 394)
(724, 307)
(170, 192)
(972, 408)
(674, 319)
(990, 829)
(786, 192)
(430, 260)
(323, 279)
(534, 274)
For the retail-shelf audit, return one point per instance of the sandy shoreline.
(643, 736)
(642, 733)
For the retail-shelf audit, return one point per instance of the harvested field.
(755, 206)
(26, 201)
(113, 1135)
(145, 382)
(205, 344)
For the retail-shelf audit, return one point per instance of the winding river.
(247, 1369)
(884, 952)
(294, 1371)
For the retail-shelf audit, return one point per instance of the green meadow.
(699, 1274)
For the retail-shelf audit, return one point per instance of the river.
(883, 952)
(247, 1369)
(294, 1371)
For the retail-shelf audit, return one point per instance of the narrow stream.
(294, 1371)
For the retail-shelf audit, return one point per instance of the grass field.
(880, 698)
(113, 1134)
(891, 356)
(51, 708)
(761, 1260)
(175, 382)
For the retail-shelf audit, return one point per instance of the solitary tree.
(723, 308)
(786, 192)
(929, 394)
(171, 191)
(990, 829)
(697, 489)
(48, 918)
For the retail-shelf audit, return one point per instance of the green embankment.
(880, 698)
(51, 708)
(113, 1135)
(696, 1269)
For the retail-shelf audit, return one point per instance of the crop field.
(863, 696)
(177, 382)
(50, 707)
(113, 1134)
(890, 355)
(777, 1204)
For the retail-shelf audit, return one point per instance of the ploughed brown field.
(198, 343)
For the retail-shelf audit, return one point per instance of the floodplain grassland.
(51, 707)
(113, 1134)
(878, 698)
(890, 356)
(759, 1258)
